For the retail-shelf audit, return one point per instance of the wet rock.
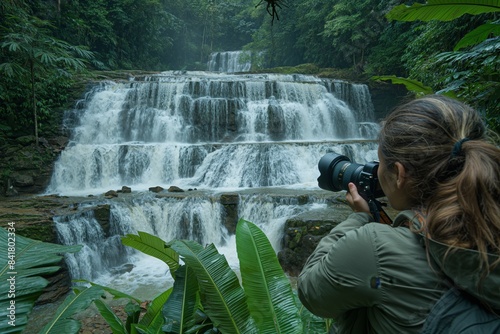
(156, 189)
(303, 233)
(102, 214)
(22, 180)
(28, 166)
(111, 194)
(230, 202)
(126, 190)
(58, 287)
(124, 268)
(175, 189)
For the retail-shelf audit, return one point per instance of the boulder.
(230, 202)
(175, 189)
(303, 233)
(156, 189)
(126, 190)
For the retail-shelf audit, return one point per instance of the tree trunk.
(33, 100)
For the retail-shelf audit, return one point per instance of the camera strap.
(378, 212)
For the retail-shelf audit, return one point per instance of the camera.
(337, 171)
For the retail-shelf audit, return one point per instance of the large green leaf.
(78, 301)
(411, 85)
(154, 246)
(181, 306)
(23, 262)
(115, 293)
(222, 296)
(111, 318)
(442, 10)
(312, 323)
(152, 321)
(478, 35)
(269, 294)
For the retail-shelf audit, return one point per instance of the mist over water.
(260, 136)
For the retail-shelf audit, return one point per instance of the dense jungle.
(53, 52)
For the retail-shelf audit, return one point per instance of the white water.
(213, 132)
(230, 62)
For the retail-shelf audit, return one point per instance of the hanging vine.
(271, 7)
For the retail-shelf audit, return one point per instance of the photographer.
(436, 268)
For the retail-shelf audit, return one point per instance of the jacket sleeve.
(341, 274)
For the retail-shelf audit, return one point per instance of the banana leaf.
(154, 246)
(116, 324)
(412, 85)
(478, 35)
(270, 298)
(442, 10)
(152, 321)
(115, 293)
(222, 296)
(314, 324)
(23, 262)
(181, 306)
(77, 301)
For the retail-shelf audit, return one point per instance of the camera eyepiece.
(337, 171)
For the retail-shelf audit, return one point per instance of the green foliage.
(269, 295)
(207, 296)
(442, 10)
(470, 71)
(478, 35)
(412, 85)
(78, 301)
(180, 309)
(31, 56)
(222, 297)
(26, 262)
(154, 246)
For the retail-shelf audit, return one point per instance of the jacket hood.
(461, 265)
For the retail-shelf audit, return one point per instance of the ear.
(401, 175)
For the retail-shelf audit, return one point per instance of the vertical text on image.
(11, 262)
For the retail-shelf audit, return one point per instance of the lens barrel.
(337, 171)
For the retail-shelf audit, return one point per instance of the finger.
(353, 191)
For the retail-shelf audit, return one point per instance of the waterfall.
(99, 253)
(230, 62)
(259, 136)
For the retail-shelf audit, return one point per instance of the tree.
(31, 55)
(470, 70)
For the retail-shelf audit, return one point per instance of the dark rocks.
(230, 202)
(59, 285)
(111, 194)
(303, 233)
(174, 189)
(102, 214)
(25, 167)
(126, 190)
(156, 189)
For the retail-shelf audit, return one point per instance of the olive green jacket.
(377, 278)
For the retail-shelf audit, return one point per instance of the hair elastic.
(457, 148)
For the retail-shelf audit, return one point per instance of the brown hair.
(452, 171)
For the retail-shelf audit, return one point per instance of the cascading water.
(230, 62)
(259, 136)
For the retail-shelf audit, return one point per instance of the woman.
(438, 167)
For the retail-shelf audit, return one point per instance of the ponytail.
(452, 171)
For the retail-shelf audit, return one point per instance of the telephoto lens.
(337, 171)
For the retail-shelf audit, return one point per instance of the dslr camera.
(337, 171)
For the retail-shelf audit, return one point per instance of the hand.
(355, 201)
